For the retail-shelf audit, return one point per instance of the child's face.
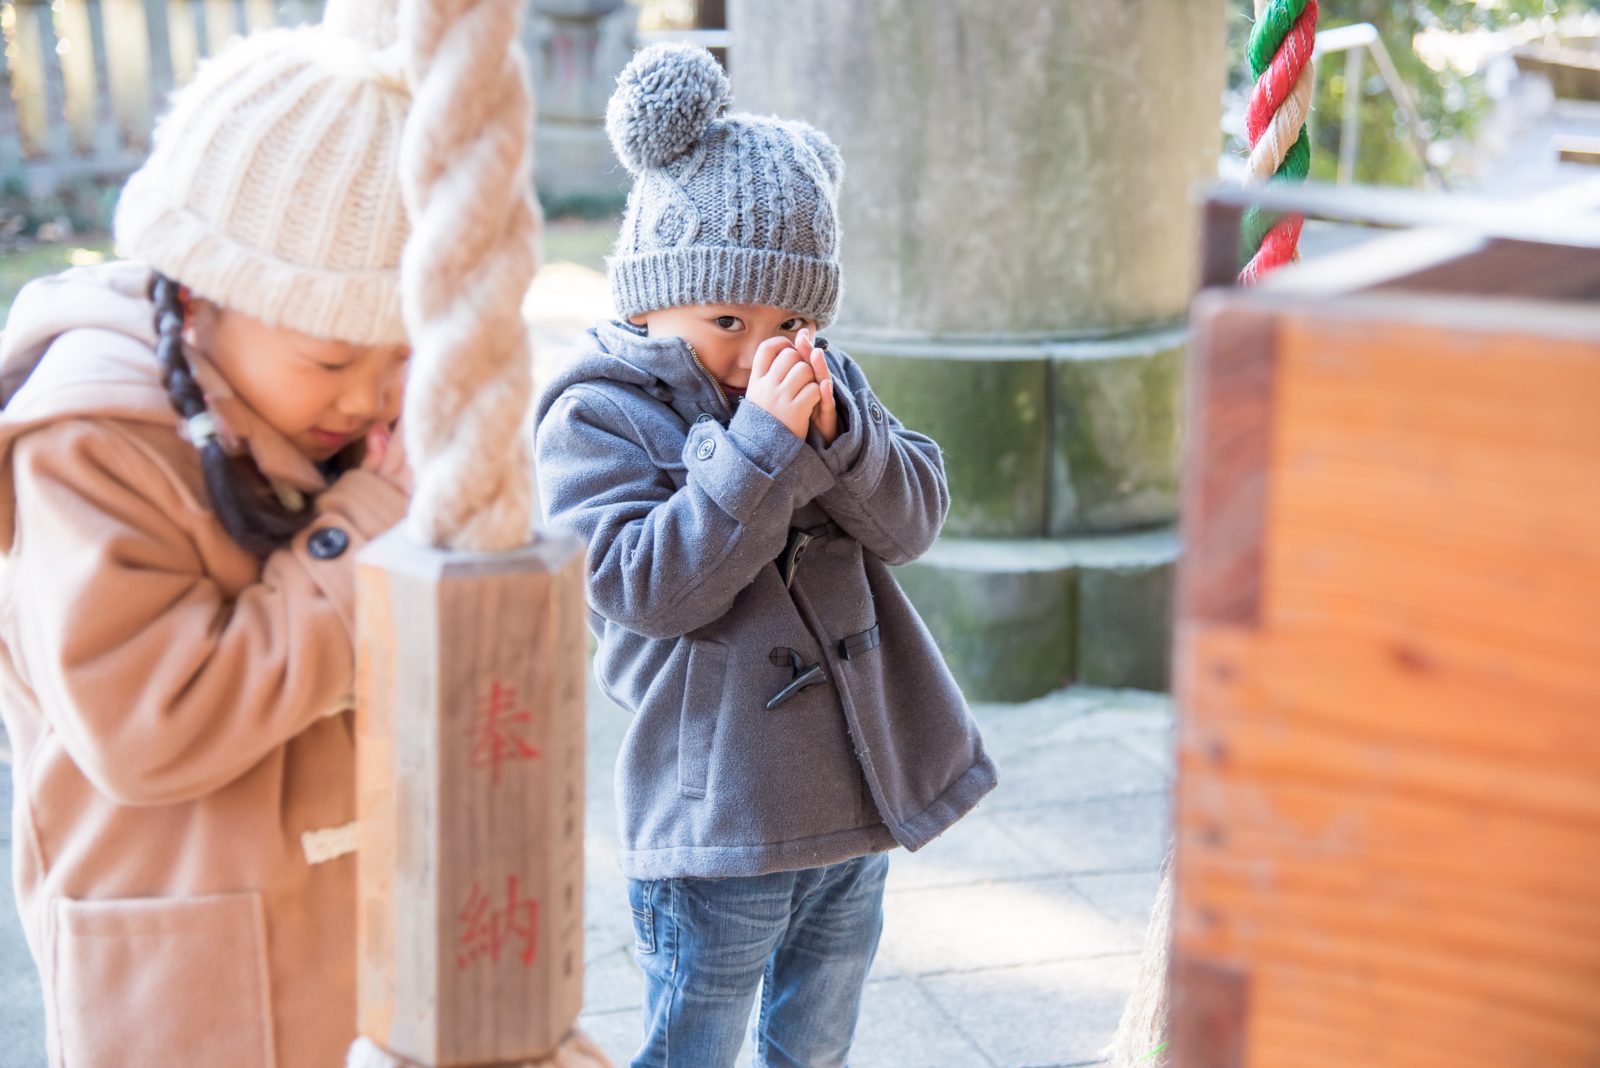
(725, 336)
(320, 395)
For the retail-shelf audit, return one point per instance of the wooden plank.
(1220, 261)
(1446, 261)
(1384, 260)
(1388, 814)
(1229, 423)
(470, 781)
(1578, 150)
(1502, 268)
(1537, 219)
(1209, 1013)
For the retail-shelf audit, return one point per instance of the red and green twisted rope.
(1280, 48)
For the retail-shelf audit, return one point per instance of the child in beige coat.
(195, 443)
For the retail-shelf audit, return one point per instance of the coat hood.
(664, 367)
(81, 344)
(120, 378)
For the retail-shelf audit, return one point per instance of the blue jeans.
(805, 938)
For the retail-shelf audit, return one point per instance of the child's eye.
(792, 325)
(727, 322)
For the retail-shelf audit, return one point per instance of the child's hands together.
(783, 385)
(825, 416)
(791, 381)
(386, 456)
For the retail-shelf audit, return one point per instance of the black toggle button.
(328, 543)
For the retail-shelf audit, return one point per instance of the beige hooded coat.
(178, 710)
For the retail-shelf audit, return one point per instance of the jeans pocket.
(129, 977)
(640, 895)
(697, 723)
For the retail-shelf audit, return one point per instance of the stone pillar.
(576, 49)
(1019, 249)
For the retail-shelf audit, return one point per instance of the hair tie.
(289, 497)
(201, 429)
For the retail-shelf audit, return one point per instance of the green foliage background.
(1451, 104)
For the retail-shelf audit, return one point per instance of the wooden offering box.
(1388, 660)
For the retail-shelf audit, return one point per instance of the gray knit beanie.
(725, 208)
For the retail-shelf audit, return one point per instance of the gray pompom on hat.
(725, 208)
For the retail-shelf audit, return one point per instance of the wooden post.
(470, 780)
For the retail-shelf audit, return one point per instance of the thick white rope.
(467, 181)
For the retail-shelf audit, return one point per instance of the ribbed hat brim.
(724, 274)
(359, 307)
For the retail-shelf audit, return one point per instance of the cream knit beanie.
(274, 188)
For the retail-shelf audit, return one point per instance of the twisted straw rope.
(466, 178)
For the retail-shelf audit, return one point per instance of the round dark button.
(707, 447)
(702, 418)
(875, 411)
(328, 543)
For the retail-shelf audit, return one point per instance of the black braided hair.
(240, 495)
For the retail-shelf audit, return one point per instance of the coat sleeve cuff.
(739, 466)
(359, 507)
(860, 453)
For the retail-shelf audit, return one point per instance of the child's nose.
(365, 399)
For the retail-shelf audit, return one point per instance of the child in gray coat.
(742, 493)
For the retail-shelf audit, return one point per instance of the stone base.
(1017, 619)
(1042, 437)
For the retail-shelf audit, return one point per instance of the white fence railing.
(82, 81)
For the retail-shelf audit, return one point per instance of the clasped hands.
(790, 381)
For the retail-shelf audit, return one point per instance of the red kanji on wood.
(495, 731)
(485, 931)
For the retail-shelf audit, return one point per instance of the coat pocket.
(155, 982)
(697, 723)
